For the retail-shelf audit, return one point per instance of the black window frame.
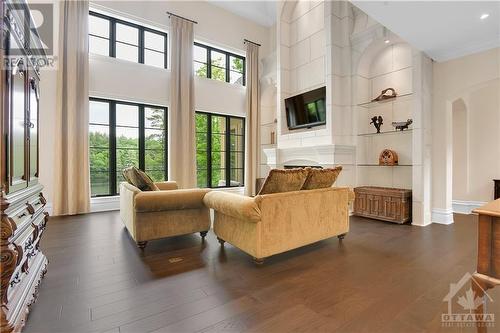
(112, 169)
(227, 151)
(140, 47)
(228, 65)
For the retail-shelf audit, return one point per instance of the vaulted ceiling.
(261, 12)
(442, 29)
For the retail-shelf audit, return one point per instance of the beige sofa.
(169, 212)
(273, 223)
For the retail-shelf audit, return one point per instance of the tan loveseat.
(273, 223)
(169, 212)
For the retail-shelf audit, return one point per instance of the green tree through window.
(219, 150)
(139, 143)
(224, 66)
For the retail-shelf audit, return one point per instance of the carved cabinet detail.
(22, 205)
(382, 203)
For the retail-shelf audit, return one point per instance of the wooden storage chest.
(383, 203)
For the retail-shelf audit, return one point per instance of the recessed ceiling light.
(387, 41)
(484, 16)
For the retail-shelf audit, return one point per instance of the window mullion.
(209, 63)
(112, 148)
(112, 39)
(227, 68)
(244, 71)
(141, 45)
(209, 150)
(228, 152)
(142, 139)
(165, 142)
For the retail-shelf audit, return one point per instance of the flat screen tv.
(306, 110)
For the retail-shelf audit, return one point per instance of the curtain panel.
(253, 118)
(182, 107)
(71, 159)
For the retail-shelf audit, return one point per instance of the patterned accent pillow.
(139, 179)
(284, 181)
(321, 178)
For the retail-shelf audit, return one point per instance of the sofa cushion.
(139, 179)
(284, 181)
(321, 178)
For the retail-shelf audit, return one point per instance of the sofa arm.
(166, 186)
(234, 205)
(155, 201)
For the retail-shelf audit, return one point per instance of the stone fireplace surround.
(325, 156)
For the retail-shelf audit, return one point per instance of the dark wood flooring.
(381, 278)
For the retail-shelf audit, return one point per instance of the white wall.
(475, 80)
(118, 79)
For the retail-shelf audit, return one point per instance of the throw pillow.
(284, 181)
(139, 179)
(321, 178)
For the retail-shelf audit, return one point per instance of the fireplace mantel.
(324, 156)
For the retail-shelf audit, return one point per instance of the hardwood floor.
(381, 278)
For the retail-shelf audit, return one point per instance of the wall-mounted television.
(306, 110)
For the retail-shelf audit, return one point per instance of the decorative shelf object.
(388, 157)
(377, 103)
(386, 132)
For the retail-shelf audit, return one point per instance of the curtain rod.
(172, 14)
(249, 41)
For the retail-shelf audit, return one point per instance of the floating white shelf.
(386, 132)
(385, 166)
(369, 105)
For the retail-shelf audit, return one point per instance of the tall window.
(123, 134)
(219, 65)
(113, 37)
(220, 146)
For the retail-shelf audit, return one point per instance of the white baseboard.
(442, 216)
(466, 207)
(104, 204)
(48, 208)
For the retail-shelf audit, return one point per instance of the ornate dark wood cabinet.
(381, 203)
(22, 205)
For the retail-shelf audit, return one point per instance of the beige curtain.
(182, 111)
(71, 161)
(253, 118)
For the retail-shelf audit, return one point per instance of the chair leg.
(341, 236)
(142, 245)
(221, 241)
(203, 234)
(258, 261)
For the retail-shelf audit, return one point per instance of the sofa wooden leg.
(142, 245)
(203, 234)
(221, 241)
(341, 236)
(258, 261)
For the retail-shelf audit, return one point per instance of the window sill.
(113, 60)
